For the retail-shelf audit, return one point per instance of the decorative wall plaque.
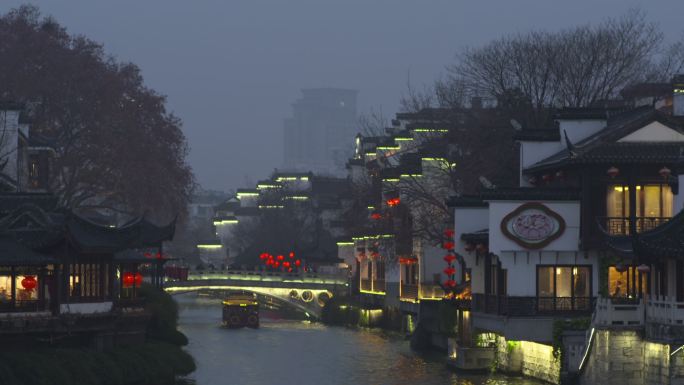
(533, 225)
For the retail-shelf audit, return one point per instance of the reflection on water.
(289, 353)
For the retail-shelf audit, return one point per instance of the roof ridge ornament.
(569, 145)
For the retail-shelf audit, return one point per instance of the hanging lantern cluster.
(449, 258)
(280, 261)
(129, 279)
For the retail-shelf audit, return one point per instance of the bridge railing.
(251, 275)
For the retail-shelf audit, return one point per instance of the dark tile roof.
(480, 236)
(246, 212)
(15, 253)
(466, 201)
(11, 201)
(603, 147)
(666, 240)
(587, 112)
(531, 193)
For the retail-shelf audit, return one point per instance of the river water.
(302, 353)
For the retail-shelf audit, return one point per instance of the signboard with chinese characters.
(533, 225)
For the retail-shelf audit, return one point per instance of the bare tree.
(373, 122)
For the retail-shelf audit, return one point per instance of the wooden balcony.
(621, 225)
(366, 284)
(532, 306)
(409, 292)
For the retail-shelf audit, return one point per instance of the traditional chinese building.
(593, 234)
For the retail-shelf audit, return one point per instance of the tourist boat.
(240, 310)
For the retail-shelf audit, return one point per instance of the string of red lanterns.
(129, 279)
(449, 258)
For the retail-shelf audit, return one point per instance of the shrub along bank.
(157, 361)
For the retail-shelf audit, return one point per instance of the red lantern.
(289, 270)
(286, 264)
(665, 172)
(613, 172)
(276, 264)
(376, 215)
(393, 202)
(29, 282)
(280, 257)
(449, 258)
(298, 263)
(450, 283)
(148, 255)
(138, 279)
(449, 271)
(448, 245)
(128, 279)
(291, 254)
(449, 233)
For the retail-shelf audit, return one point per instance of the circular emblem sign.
(533, 225)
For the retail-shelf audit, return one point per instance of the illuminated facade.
(592, 234)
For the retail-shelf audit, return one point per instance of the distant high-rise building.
(318, 136)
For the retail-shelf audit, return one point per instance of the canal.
(302, 353)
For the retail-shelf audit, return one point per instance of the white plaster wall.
(654, 132)
(580, 129)
(248, 201)
(468, 220)
(678, 199)
(568, 210)
(85, 308)
(347, 254)
(533, 152)
(522, 268)
(431, 262)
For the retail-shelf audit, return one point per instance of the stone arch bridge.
(306, 291)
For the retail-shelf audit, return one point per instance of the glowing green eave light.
(225, 222)
(264, 186)
(410, 175)
(247, 194)
(271, 206)
(442, 130)
(391, 180)
(297, 198)
(209, 246)
(345, 243)
(403, 139)
(386, 148)
(371, 154)
(434, 159)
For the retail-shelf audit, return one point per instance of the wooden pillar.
(632, 205)
(13, 286)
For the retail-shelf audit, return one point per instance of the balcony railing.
(366, 284)
(531, 306)
(619, 312)
(409, 291)
(621, 225)
(664, 310)
(22, 306)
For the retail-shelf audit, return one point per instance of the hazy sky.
(231, 68)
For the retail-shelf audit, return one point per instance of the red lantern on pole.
(138, 279)
(449, 258)
(449, 271)
(292, 255)
(29, 282)
(448, 245)
(280, 257)
(449, 233)
(298, 263)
